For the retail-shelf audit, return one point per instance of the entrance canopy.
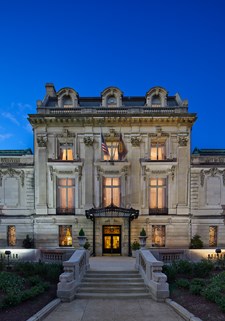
(112, 211)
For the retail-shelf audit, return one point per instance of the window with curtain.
(213, 236)
(65, 195)
(11, 235)
(66, 151)
(65, 235)
(111, 191)
(158, 235)
(158, 196)
(158, 151)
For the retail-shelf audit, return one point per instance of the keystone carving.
(42, 141)
(135, 141)
(88, 141)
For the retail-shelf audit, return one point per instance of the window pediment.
(112, 97)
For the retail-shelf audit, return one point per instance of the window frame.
(159, 145)
(111, 189)
(61, 189)
(64, 237)
(164, 195)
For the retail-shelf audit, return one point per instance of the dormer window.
(111, 101)
(67, 102)
(156, 101)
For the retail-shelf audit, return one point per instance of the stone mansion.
(112, 165)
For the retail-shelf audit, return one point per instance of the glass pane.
(69, 154)
(161, 198)
(116, 196)
(158, 235)
(213, 236)
(116, 181)
(153, 153)
(107, 242)
(70, 197)
(153, 197)
(161, 181)
(107, 181)
(116, 242)
(161, 152)
(107, 196)
(153, 182)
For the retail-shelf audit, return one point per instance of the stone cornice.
(38, 120)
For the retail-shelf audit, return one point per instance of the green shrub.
(221, 302)
(81, 232)
(183, 283)
(10, 300)
(184, 267)
(28, 242)
(170, 271)
(34, 280)
(211, 293)
(143, 232)
(197, 285)
(202, 269)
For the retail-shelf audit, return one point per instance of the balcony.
(148, 160)
(158, 211)
(65, 211)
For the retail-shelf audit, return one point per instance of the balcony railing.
(158, 160)
(65, 210)
(158, 211)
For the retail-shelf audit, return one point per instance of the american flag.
(104, 146)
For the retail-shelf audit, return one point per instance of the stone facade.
(147, 167)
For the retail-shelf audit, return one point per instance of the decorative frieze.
(12, 172)
(10, 160)
(146, 171)
(212, 172)
(77, 170)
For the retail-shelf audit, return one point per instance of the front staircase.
(112, 285)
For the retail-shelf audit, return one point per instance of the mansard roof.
(16, 152)
(208, 152)
(51, 99)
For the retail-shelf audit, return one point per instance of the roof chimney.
(50, 90)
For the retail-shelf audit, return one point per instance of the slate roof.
(16, 152)
(208, 152)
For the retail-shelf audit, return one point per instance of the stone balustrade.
(74, 270)
(151, 271)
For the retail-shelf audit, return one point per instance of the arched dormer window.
(156, 97)
(67, 98)
(67, 101)
(156, 101)
(112, 97)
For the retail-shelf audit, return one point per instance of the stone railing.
(74, 270)
(151, 271)
(55, 255)
(114, 110)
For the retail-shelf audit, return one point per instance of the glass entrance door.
(111, 239)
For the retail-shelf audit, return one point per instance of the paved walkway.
(113, 310)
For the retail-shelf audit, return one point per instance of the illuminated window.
(111, 191)
(158, 235)
(158, 151)
(113, 151)
(11, 235)
(66, 151)
(158, 197)
(65, 235)
(156, 101)
(65, 196)
(213, 236)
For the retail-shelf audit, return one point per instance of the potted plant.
(143, 238)
(81, 238)
(134, 247)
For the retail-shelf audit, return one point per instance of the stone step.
(122, 296)
(113, 285)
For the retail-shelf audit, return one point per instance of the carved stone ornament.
(88, 141)
(42, 141)
(125, 171)
(212, 172)
(172, 171)
(66, 172)
(12, 172)
(182, 140)
(112, 135)
(66, 134)
(99, 171)
(135, 141)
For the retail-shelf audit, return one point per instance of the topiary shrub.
(196, 242)
(143, 233)
(81, 232)
(28, 242)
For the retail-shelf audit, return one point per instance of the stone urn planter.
(142, 238)
(82, 239)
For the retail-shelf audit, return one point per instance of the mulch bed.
(199, 306)
(28, 308)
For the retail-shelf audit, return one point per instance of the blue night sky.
(134, 45)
